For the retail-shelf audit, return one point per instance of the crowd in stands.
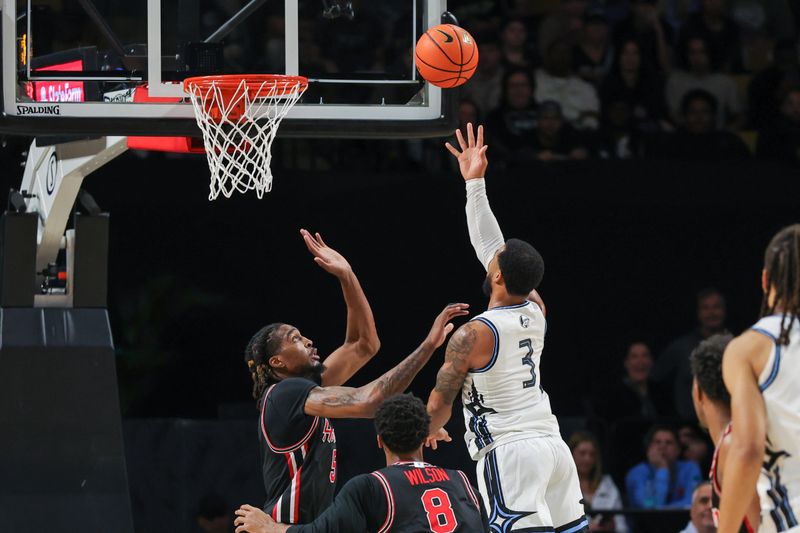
(689, 79)
(649, 414)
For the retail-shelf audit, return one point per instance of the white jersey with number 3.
(504, 401)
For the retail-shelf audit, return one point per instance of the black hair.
(513, 71)
(264, 344)
(549, 105)
(707, 292)
(510, 20)
(402, 422)
(683, 50)
(695, 433)
(471, 102)
(699, 94)
(522, 267)
(782, 264)
(651, 433)
(706, 364)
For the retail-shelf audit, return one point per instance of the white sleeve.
(484, 231)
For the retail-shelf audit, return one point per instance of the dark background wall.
(626, 247)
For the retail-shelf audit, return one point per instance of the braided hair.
(264, 344)
(782, 264)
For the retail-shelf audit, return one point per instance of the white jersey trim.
(492, 361)
(773, 365)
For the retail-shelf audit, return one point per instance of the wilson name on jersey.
(779, 484)
(423, 497)
(505, 400)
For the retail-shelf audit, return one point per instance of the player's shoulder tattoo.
(451, 376)
(461, 343)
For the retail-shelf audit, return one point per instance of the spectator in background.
(698, 139)
(633, 83)
(617, 137)
(636, 394)
(720, 34)
(468, 113)
(598, 489)
(486, 85)
(514, 42)
(563, 24)
(673, 364)
(781, 139)
(557, 82)
(653, 35)
(695, 445)
(556, 140)
(662, 480)
(699, 74)
(213, 515)
(701, 519)
(428, 153)
(511, 128)
(594, 55)
(769, 86)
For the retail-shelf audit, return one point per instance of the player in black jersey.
(297, 394)
(408, 496)
(712, 403)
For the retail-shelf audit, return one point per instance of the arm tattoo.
(456, 363)
(399, 378)
(334, 396)
(392, 382)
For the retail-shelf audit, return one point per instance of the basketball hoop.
(239, 116)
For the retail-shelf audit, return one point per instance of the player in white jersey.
(525, 471)
(761, 369)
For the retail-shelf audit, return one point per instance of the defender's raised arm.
(361, 341)
(362, 402)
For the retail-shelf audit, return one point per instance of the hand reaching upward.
(325, 256)
(472, 159)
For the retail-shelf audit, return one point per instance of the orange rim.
(261, 84)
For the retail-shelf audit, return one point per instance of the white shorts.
(531, 485)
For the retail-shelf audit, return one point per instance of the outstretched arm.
(469, 347)
(744, 358)
(352, 510)
(362, 402)
(484, 231)
(361, 341)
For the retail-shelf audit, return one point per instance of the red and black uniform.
(406, 497)
(298, 454)
(716, 486)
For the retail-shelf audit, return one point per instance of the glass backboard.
(111, 67)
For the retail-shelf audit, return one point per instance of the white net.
(239, 122)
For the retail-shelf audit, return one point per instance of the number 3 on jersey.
(526, 343)
(439, 511)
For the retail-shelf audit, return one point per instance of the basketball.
(446, 56)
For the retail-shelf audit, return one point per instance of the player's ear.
(275, 362)
(380, 442)
(764, 280)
